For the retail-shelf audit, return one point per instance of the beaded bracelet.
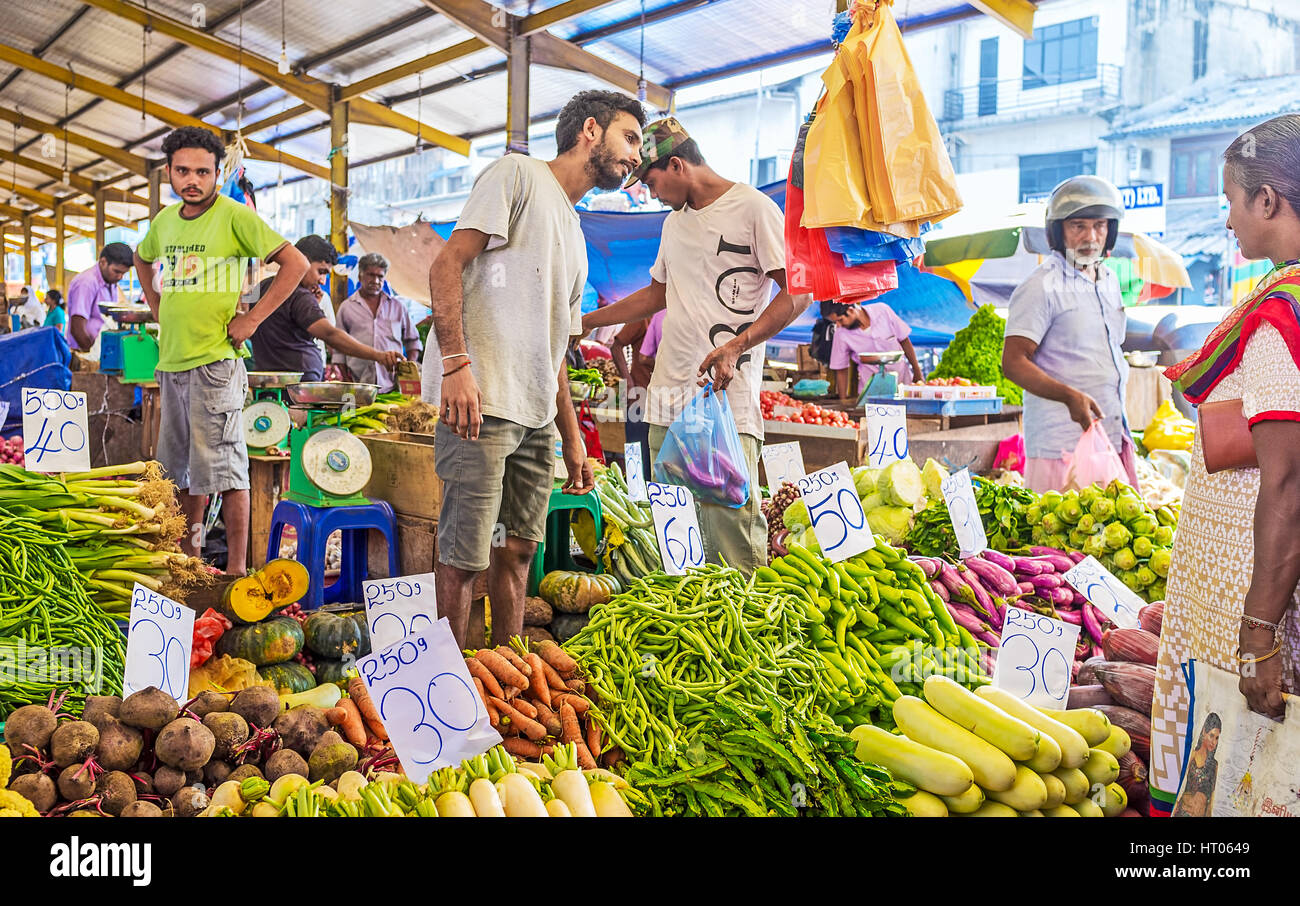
(1258, 623)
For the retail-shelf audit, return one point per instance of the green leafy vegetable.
(976, 353)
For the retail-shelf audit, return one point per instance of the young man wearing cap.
(721, 255)
(92, 286)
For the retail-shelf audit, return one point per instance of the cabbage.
(871, 502)
(932, 476)
(900, 484)
(796, 515)
(891, 522)
(864, 480)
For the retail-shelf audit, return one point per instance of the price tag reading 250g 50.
(159, 639)
(54, 430)
(396, 608)
(1035, 657)
(887, 434)
(838, 522)
(959, 494)
(1116, 601)
(676, 527)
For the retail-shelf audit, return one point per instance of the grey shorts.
(503, 478)
(201, 432)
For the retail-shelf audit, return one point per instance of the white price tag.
(55, 431)
(677, 528)
(1116, 601)
(427, 701)
(959, 495)
(396, 608)
(159, 639)
(887, 433)
(782, 462)
(635, 468)
(838, 522)
(1034, 658)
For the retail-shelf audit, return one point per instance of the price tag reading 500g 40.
(396, 608)
(159, 639)
(54, 430)
(887, 433)
(838, 522)
(1034, 658)
(959, 494)
(676, 526)
(1116, 601)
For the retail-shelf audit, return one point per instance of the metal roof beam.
(80, 183)
(428, 61)
(276, 119)
(561, 12)
(45, 45)
(12, 213)
(49, 202)
(378, 34)
(125, 159)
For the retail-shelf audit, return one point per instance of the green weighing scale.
(882, 383)
(328, 465)
(130, 352)
(266, 415)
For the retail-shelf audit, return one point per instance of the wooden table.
(268, 478)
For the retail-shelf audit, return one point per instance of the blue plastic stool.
(553, 553)
(314, 526)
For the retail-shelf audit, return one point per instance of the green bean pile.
(44, 605)
(659, 656)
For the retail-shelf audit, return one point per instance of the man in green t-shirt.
(205, 241)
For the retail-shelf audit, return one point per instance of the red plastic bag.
(1011, 454)
(811, 266)
(207, 630)
(1094, 461)
(590, 433)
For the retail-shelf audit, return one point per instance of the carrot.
(593, 738)
(501, 668)
(577, 685)
(579, 704)
(347, 718)
(482, 673)
(360, 696)
(511, 693)
(573, 733)
(553, 679)
(549, 719)
(557, 657)
(522, 747)
(525, 707)
(537, 683)
(530, 728)
(513, 657)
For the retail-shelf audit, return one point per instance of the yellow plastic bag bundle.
(1169, 430)
(223, 674)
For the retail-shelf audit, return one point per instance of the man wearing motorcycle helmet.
(1065, 330)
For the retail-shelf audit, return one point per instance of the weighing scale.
(266, 416)
(328, 465)
(883, 383)
(131, 352)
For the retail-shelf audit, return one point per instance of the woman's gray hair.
(371, 259)
(1268, 155)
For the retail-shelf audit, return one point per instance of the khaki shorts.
(503, 478)
(201, 432)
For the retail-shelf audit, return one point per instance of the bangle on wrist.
(1253, 658)
(456, 355)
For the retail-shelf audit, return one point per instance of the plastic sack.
(1011, 454)
(1094, 461)
(224, 674)
(1169, 430)
(702, 451)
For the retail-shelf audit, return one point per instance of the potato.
(73, 741)
(328, 738)
(245, 771)
(116, 790)
(229, 729)
(141, 809)
(39, 790)
(143, 782)
(189, 801)
(185, 744)
(99, 707)
(119, 746)
(537, 612)
(73, 787)
(148, 709)
(30, 725)
(301, 728)
(258, 705)
(167, 780)
(215, 773)
(331, 762)
(285, 761)
(210, 702)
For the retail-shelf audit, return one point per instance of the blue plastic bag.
(702, 451)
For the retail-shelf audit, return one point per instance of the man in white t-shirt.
(721, 259)
(507, 295)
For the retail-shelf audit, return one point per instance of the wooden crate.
(268, 478)
(402, 473)
(821, 445)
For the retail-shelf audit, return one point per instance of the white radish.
(573, 789)
(483, 796)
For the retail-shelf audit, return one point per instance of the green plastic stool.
(553, 553)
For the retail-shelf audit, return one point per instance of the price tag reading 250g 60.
(396, 608)
(159, 639)
(1116, 601)
(887, 435)
(676, 527)
(1035, 657)
(838, 522)
(959, 494)
(54, 430)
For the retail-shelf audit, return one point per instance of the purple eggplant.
(997, 558)
(1079, 600)
(1057, 596)
(778, 542)
(941, 590)
(994, 577)
(929, 565)
(983, 600)
(1092, 622)
(1070, 616)
(701, 477)
(1026, 567)
(958, 590)
(1058, 562)
(1038, 551)
(1050, 581)
(1026, 588)
(1076, 556)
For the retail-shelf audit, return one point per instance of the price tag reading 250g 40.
(1116, 601)
(959, 494)
(887, 434)
(396, 608)
(427, 701)
(54, 430)
(676, 526)
(1035, 657)
(158, 643)
(838, 522)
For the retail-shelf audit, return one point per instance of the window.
(311, 226)
(1065, 52)
(988, 98)
(1041, 173)
(764, 171)
(1195, 165)
(1200, 48)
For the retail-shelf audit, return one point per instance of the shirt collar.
(1105, 276)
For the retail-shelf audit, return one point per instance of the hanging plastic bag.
(702, 451)
(590, 433)
(1094, 461)
(1011, 454)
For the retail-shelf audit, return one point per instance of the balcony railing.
(1084, 92)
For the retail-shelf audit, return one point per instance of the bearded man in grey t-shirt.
(507, 292)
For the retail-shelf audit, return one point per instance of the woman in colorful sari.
(1232, 596)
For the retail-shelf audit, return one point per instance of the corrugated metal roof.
(1197, 230)
(1213, 104)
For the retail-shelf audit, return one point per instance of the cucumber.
(1061, 811)
(991, 809)
(933, 771)
(1101, 767)
(991, 767)
(990, 723)
(1116, 800)
(924, 805)
(1076, 784)
(1088, 809)
(1118, 743)
(1074, 748)
(1028, 793)
(1055, 790)
(967, 802)
(1089, 723)
(1048, 757)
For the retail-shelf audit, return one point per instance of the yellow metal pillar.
(338, 191)
(155, 191)
(101, 199)
(60, 237)
(27, 249)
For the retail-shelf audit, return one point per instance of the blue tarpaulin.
(32, 358)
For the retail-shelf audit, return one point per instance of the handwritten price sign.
(635, 467)
(159, 638)
(783, 462)
(887, 431)
(1035, 657)
(959, 495)
(836, 512)
(677, 528)
(396, 608)
(1117, 602)
(427, 701)
(54, 427)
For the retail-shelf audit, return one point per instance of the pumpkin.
(285, 581)
(245, 601)
(575, 592)
(363, 631)
(332, 671)
(290, 677)
(330, 635)
(272, 641)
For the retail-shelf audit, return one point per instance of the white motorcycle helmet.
(1083, 196)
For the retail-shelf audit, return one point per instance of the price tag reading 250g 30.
(676, 527)
(159, 639)
(959, 494)
(838, 522)
(54, 431)
(1035, 657)
(396, 608)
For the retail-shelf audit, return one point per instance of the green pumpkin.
(576, 592)
(332, 671)
(272, 641)
(330, 635)
(288, 677)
